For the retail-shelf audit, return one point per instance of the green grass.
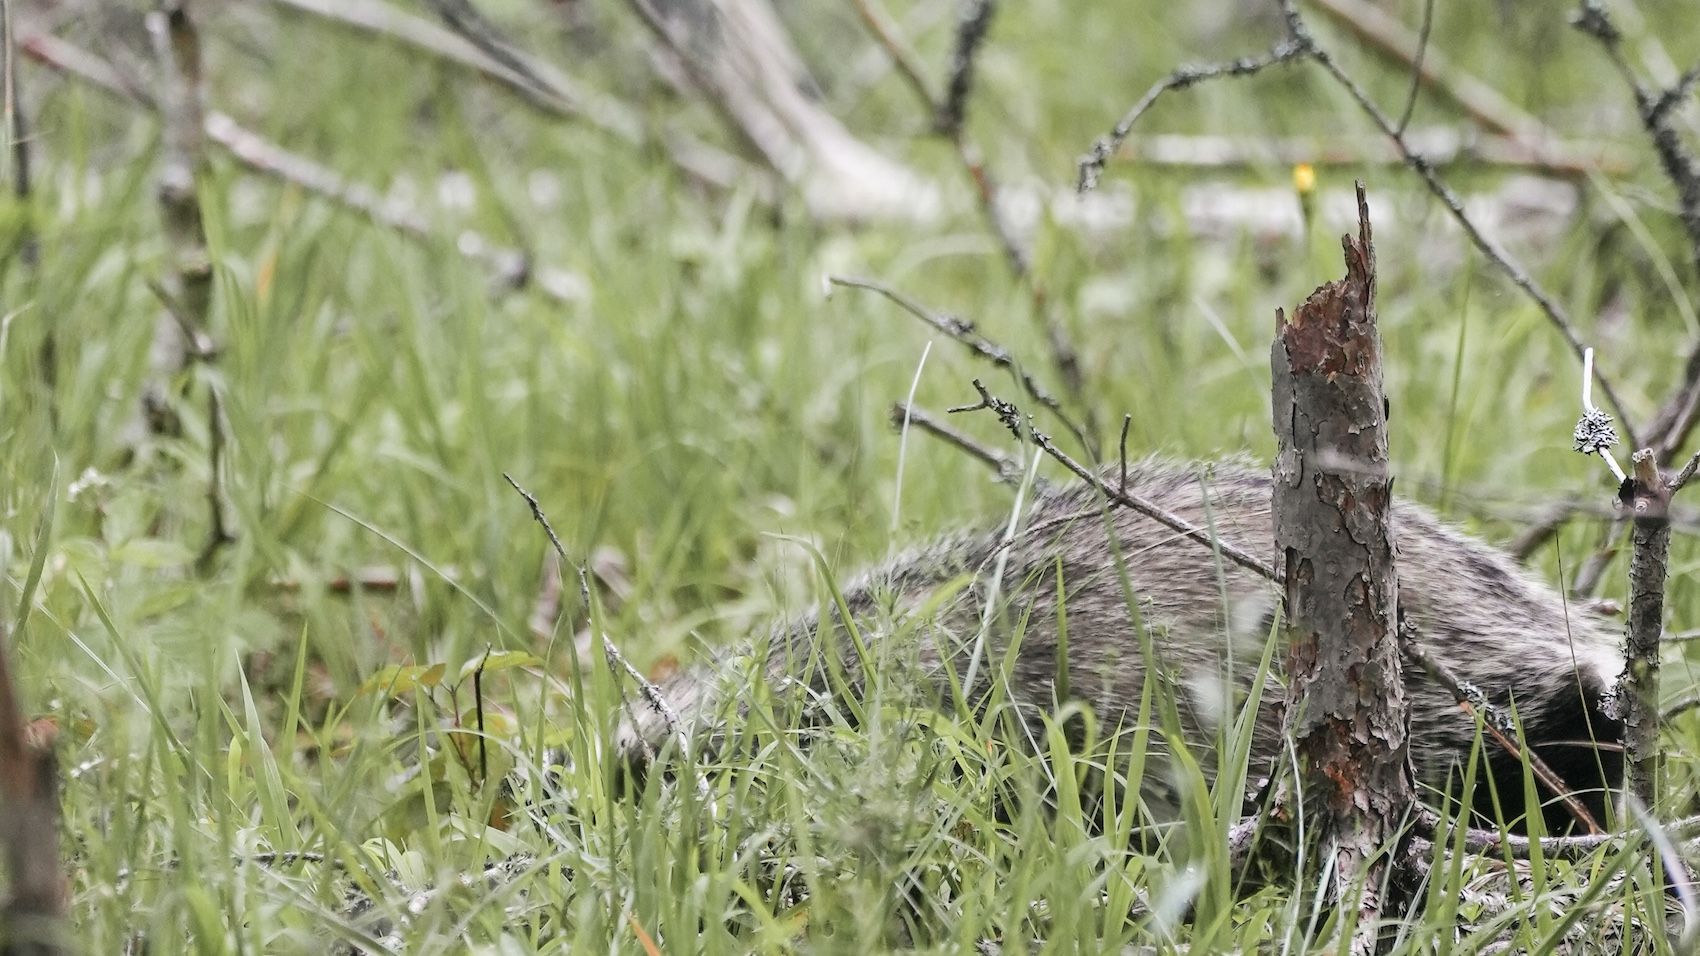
(701, 417)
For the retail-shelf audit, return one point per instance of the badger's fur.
(1511, 636)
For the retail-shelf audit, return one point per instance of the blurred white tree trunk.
(739, 55)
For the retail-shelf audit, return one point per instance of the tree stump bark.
(1346, 705)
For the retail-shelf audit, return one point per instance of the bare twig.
(1417, 67)
(1434, 69)
(1560, 847)
(964, 331)
(72, 60)
(1006, 467)
(1683, 706)
(1008, 414)
(1497, 725)
(219, 534)
(1127, 420)
(1300, 36)
(973, 19)
(885, 30)
(1657, 108)
(1117, 496)
(651, 694)
(510, 268)
(1300, 44)
(1092, 164)
(473, 43)
(1679, 413)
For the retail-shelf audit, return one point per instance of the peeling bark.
(1346, 706)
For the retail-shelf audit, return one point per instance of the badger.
(1139, 598)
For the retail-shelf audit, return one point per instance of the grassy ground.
(698, 420)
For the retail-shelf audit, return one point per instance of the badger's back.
(1209, 621)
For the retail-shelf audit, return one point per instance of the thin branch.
(1417, 67)
(1008, 414)
(1683, 706)
(509, 268)
(219, 534)
(964, 332)
(1679, 413)
(1005, 466)
(483, 51)
(1300, 36)
(1092, 164)
(1300, 44)
(1657, 109)
(884, 29)
(1497, 724)
(1560, 847)
(651, 694)
(1481, 102)
(1683, 477)
(973, 19)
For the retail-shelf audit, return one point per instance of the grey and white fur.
(1513, 637)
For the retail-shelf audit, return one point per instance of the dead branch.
(1011, 417)
(220, 533)
(1657, 109)
(885, 30)
(973, 21)
(1679, 413)
(738, 54)
(965, 332)
(1435, 70)
(1006, 467)
(509, 268)
(1300, 44)
(1646, 497)
(1416, 64)
(1498, 725)
(1299, 33)
(651, 694)
(1092, 164)
(473, 43)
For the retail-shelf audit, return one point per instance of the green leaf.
(398, 679)
(498, 661)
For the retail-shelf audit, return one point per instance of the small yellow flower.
(1304, 179)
